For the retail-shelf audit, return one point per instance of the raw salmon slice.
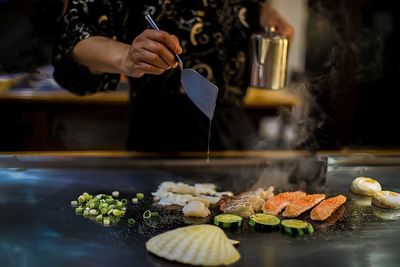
(302, 204)
(276, 204)
(327, 207)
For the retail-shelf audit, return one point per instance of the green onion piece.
(117, 213)
(135, 200)
(139, 196)
(119, 204)
(103, 211)
(93, 212)
(147, 214)
(124, 201)
(86, 213)
(87, 196)
(106, 221)
(74, 203)
(99, 218)
(110, 211)
(92, 205)
(115, 194)
(79, 210)
(131, 221)
(81, 199)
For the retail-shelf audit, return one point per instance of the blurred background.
(343, 67)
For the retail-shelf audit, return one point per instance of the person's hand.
(269, 17)
(152, 52)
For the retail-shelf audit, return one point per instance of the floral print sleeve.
(83, 19)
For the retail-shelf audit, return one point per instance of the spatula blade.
(201, 91)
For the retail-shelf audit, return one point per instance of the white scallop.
(365, 186)
(386, 200)
(205, 245)
(363, 201)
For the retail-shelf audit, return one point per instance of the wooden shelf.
(255, 98)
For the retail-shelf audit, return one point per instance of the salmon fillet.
(276, 204)
(302, 204)
(327, 207)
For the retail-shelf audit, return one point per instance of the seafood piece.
(174, 199)
(276, 204)
(195, 208)
(302, 204)
(205, 245)
(171, 193)
(247, 203)
(386, 200)
(328, 206)
(365, 186)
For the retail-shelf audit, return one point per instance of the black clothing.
(214, 36)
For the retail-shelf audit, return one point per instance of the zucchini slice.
(264, 222)
(297, 227)
(228, 221)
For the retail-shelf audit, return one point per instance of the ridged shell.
(197, 245)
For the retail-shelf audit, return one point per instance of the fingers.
(153, 59)
(161, 51)
(285, 29)
(152, 52)
(269, 17)
(163, 44)
(171, 42)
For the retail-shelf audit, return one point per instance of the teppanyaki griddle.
(39, 228)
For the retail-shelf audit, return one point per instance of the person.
(99, 40)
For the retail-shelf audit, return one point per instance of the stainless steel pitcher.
(269, 55)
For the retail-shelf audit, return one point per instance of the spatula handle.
(154, 26)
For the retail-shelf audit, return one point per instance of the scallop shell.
(365, 186)
(197, 245)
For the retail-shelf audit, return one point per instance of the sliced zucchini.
(264, 222)
(228, 221)
(297, 227)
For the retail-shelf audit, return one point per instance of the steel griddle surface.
(39, 228)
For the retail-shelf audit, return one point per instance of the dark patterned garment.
(214, 36)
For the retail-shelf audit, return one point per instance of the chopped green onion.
(99, 218)
(117, 213)
(93, 212)
(106, 221)
(135, 200)
(104, 208)
(115, 194)
(87, 196)
(81, 199)
(139, 196)
(79, 210)
(119, 204)
(131, 221)
(103, 211)
(149, 214)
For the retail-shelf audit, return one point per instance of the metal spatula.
(201, 91)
